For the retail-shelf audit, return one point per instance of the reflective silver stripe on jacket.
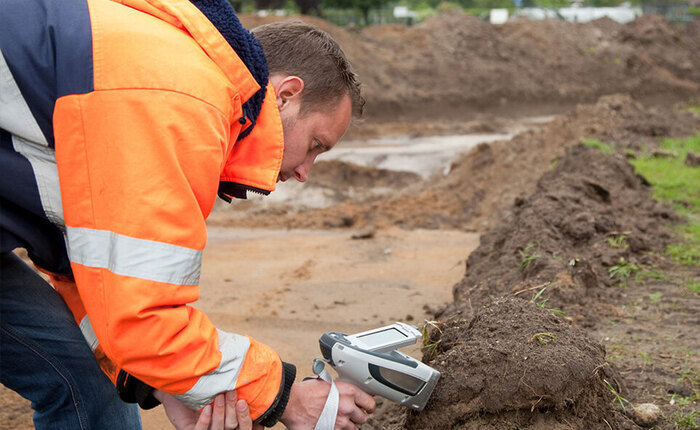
(89, 333)
(138, 258)
(43, 161)
(233, 348)
(15, 115)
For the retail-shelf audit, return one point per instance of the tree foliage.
(363, 6)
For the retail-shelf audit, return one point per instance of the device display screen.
(382, 337)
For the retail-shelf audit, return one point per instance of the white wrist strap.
(327, 419)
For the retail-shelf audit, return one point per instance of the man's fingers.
(358, 416)
(204, 419)
(244, 421)
(365, 401)
(231, 421)
(219, 412)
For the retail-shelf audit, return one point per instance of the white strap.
(327, 419)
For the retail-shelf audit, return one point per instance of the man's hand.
(307, 399)
(226, 413)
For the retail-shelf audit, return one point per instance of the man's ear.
(288, 90)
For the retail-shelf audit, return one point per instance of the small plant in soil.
(681, 401)
(692, 286)
(685, 421)
(618, 241)
(429, 348)
(543, 302)
(655, 297)
(649, 274)
(623, 270)
(543, 338)
(621, 400)
(648, 359)
(527, 256)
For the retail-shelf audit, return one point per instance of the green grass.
(618, 241)
(602, 147)
(678, 184)
(692, 286)
(543, 338)
(655, 297)
(648, 274)
(544, 301)
(695, 11)
(623, 270)
(621, 400)
(685, 421)
(527, 257)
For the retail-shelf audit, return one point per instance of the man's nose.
(301, 173)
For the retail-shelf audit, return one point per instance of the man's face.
(309, 135)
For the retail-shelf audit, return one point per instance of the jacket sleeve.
(139, 170)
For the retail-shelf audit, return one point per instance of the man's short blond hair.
(295, 48)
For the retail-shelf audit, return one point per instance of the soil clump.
(515, 364)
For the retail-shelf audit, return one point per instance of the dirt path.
(286, 287)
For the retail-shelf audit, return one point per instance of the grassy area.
(602, 147)
(678, 184)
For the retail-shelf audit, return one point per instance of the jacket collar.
(184, 15)
(253, 163)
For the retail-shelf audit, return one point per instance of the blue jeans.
(44, 357)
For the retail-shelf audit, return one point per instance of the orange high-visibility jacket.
(118, 124)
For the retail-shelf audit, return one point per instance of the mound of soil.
(483, 184)
(539, 278)
(341, 175)
(515, 363)
(454, 65)
(587, 215)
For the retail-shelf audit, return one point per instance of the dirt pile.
(515, 364)
(588, 216)
(482, 185)
(509, 347)
(347, 176)
(454, 64)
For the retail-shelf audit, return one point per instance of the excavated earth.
(516, 363)
(481, 185)
(565, 228)
(455, 66)
(512, 348)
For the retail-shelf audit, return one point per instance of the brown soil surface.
(454, 66)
